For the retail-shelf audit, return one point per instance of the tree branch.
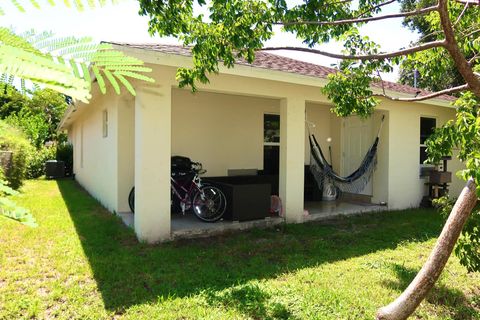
(470, 33)
(427, 96)
(379, 56)
(381, 82)
(362, 20)
(409, 300)
(462, 13)
(472, 2)
(376, 7)
(340, 2)
(475, 57)
(429, 35)
(451, 46)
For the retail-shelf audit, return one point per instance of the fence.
(6, 161)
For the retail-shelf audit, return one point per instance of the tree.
(11, 100)
(37, 113)
(236, 29)
(65, 64)
(51, 106)
(429, 76)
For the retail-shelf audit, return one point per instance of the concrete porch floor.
(321, 210)
(188, 226)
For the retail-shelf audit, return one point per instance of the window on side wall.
(271, 143)
(427, 127)
(105, 123)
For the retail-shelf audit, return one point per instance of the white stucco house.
(121, 141)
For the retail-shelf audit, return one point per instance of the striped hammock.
(353, 183)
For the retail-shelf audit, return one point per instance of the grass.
(82, 263)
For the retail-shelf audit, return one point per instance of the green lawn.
(81, 262)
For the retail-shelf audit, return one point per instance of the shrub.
(65, 154)
(13, 140)
(37, 159)
(34, 126)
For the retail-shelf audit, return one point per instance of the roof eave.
(177, 60)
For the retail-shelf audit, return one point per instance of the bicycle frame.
(208, 202)
(194, 185)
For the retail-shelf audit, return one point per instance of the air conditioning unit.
(54, 169)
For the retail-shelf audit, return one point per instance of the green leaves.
(462, 133)
(42, 69)
(63, 64)
(9, 208)
(468, 245)
(350, 93)
(233, 30)
(23, 5)
(350, 88)
(436, 68)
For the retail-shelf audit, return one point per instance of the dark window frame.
(428, 124)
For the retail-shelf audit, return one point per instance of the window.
(271, 143)
(81, 146)
(105, 123)
(427, 127)
(271, 129)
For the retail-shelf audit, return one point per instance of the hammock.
(353, 183)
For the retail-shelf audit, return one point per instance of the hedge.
(13, 140)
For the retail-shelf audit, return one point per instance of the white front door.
(357, 139)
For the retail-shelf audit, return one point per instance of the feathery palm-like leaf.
(19, 58)
(63, 63)
(22, 5)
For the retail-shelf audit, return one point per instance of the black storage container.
(54, 169)
(247, 197)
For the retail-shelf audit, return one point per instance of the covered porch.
(224, 129)
(188, 226)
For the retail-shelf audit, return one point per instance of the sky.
(122, 23)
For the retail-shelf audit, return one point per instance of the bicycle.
(207, 202)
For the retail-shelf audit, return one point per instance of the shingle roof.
(279, 63)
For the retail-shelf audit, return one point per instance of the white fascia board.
(66, 115)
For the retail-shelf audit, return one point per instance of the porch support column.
(152, 163)
(292, 154)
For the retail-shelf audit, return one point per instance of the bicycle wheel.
(209, 204)
(131, 200)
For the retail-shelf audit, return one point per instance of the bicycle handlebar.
(198, 168)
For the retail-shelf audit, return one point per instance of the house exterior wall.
(95, 156)
(126, 150)
(222, 127)
(221, 131)
(225, 131)
(405, 186)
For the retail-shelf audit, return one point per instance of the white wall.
(220, 131)
(405, 186)
(225, 131)
(126, 150)
(97, 173)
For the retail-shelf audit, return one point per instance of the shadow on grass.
(129, 273)
(250, 300)
(453, 300)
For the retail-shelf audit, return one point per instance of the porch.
(226, 130)
(188, 226)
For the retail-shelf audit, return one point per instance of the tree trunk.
(409, 300)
